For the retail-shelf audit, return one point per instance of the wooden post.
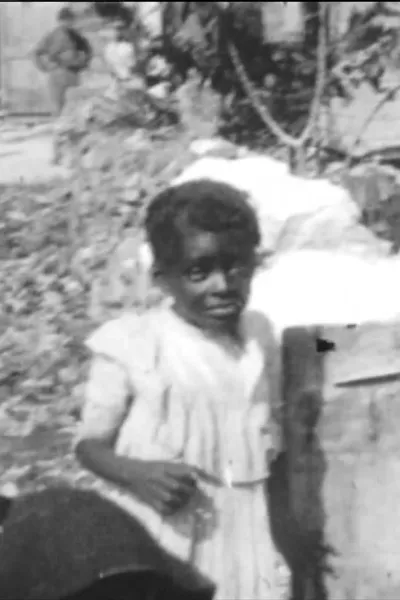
(342, 422)
(302, 383)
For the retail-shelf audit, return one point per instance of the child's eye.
(196, 274)
(236, 267)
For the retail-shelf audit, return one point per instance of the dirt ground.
(26, 153)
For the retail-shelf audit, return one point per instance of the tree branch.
(389, 95)
(263, 110)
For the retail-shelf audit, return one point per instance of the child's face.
(211, 285)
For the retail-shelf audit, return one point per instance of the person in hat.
(63, 54)
(72, 544)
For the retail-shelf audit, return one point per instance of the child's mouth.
(224, 309)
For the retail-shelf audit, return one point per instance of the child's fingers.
(184, 472)
(200, 474)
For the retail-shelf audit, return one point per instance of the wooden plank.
(359, 434)
(344, 463)
(302, 382)
(366, 351)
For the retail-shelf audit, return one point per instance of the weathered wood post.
(342, 403)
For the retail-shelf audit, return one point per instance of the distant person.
(121, 60)
(63, 54)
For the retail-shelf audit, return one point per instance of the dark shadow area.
(137, 586)
(296, 485)
(73, 543)
(301, 542)
(283, 525)
(5, 505)
(325, 345)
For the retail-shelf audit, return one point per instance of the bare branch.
(263, 110)
(320, 76)
(389, 94)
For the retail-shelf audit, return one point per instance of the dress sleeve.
(274, 370)
(106, 401)
(273, 365)
(109, 389)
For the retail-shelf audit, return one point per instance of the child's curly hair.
(202, 204)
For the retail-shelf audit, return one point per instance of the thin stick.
(389, 94)
(263, 110)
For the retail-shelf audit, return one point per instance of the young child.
(182, 406)
(64, 54)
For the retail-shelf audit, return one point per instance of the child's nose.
(220, 281)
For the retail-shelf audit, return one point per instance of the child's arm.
(164, 486)
(106, 406)
(44, 53)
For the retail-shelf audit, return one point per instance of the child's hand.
(166, 486)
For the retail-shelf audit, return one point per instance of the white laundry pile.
(294, 212)
(310, 287)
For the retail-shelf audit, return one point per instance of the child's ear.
(261, 258)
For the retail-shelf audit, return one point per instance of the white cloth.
(310, 288)
(204, 402)
(293, 212)
(120, 58)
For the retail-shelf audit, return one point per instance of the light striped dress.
(202, 401)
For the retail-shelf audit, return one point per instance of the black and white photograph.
(199, 300)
